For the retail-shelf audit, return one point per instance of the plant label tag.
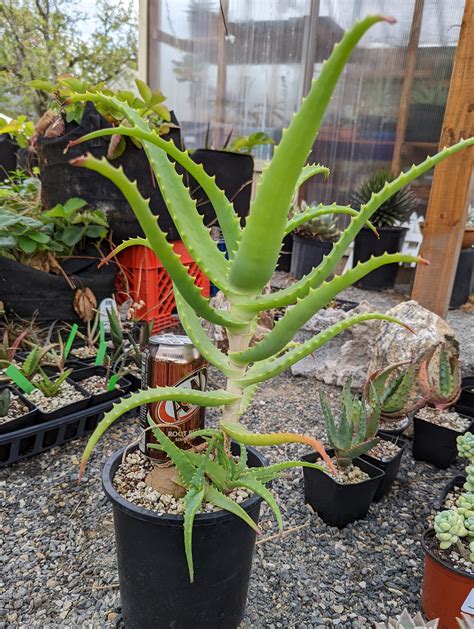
(468, 605)
(19, 379)
(99, 359)
(70, 340)
(105, 306)
(112, 382)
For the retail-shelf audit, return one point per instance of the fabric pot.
(335, 503)
(465, 404)
(434, 444)
(445, 589)
(153, 574)
(367, 244)
(307, 254)
(457, 481)
(25, 290)
(463, 278)
(124, 385)
(391, 468)
(22, 421)
(97, 190)
(233, 173)
(424, 122)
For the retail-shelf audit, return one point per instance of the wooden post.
(447, 207)
(407, 83)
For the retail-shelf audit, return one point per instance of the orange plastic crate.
(148, 282)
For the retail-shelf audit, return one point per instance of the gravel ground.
(58, 543)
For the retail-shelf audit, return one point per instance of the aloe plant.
(252, 256)
(440, 377)
(50, 387)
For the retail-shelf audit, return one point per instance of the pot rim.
(167, 519)
(457, 432)
(429, 533)
(402, 447)
(311, 455)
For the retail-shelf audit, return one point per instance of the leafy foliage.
(395, 210)
(33, 360)
(50, 387)
(355, 433)
(20, 129)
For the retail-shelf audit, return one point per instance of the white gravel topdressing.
(446, 418)
(16, 409)
(68, 394)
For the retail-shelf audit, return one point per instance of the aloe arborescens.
(253, 253)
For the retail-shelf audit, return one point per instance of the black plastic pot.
(393, 432)
(457, 481)
(233, 173)
(435, 444)
(390, 468)
(367, 244)
(424, 122)
(335, 503)
(60, 180)
(465, 404)
(8, 155)
(23, 421)
(307, 253)
(284, 261)
(68, 409)
(463, 278)
(154, 582)
(124, 385)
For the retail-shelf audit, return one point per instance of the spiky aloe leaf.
(440, 377)
(157, 238)
(318, 211)
(259, 488)
(214, 471)
(247, 397)
(253, 265)
(173, 394)
(445, 379)
(317, 298)
(360, 423)
(217, 498)
(331, 429)
(355, 451)
(270, 472)
(32, 362)
(192, 503)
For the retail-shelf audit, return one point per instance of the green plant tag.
(99, 359)
(19, 379)
(70, 340)
(112, 382)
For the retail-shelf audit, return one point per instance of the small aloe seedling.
(32, 362)
(5, 401)
(355, 433)
(440, 377)
(253, 252)
(396, 389)
(50, 387)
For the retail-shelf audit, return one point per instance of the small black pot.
(457, 481)
(367, 244)
(465, 404)
(390, 468)
(135, 382)
(124, 385)
(394, 432)
(23, 421)
(435, 444)
(68, 409)
(463, 278)
(307, 254)
(153, 574)
(335, 503)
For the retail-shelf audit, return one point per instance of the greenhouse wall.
(242, 66)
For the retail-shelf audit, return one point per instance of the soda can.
(171, 360)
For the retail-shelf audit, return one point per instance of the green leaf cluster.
(50, 387)
(247, 143)
(20, 129)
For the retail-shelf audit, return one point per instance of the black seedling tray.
(20, 444)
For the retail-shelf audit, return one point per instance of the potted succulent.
(101, 382)
(449, 551)
(57, 396)
(312, 240)
(387, 220)
(345, 495)
(436, 426)
(204, 558)
(15, 411)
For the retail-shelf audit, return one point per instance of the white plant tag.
(468, 605)
(107, 304)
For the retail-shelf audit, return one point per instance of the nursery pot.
(425, 121)
(367, 244)
(22, 421)
(457, 481)
(335, 503)
(385, 428)
(67, 409)
(435, 444)
(465, 404)
(307, 253)
(445, 588)
(123, 384)
(462, 279)
(154, 581)
(390, 467)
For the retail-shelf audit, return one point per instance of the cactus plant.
(355, 434)
(396, 389)
(440, 376)
(5, 400)
(253, 252)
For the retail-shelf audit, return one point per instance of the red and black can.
(171, 360)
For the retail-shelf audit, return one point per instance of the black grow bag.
(335, 503)
(367, 244)
(233, 173)
(25, 290)
(435, 444)
(154, 582)
(307, 253)
(390, 467)
(60, 180)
